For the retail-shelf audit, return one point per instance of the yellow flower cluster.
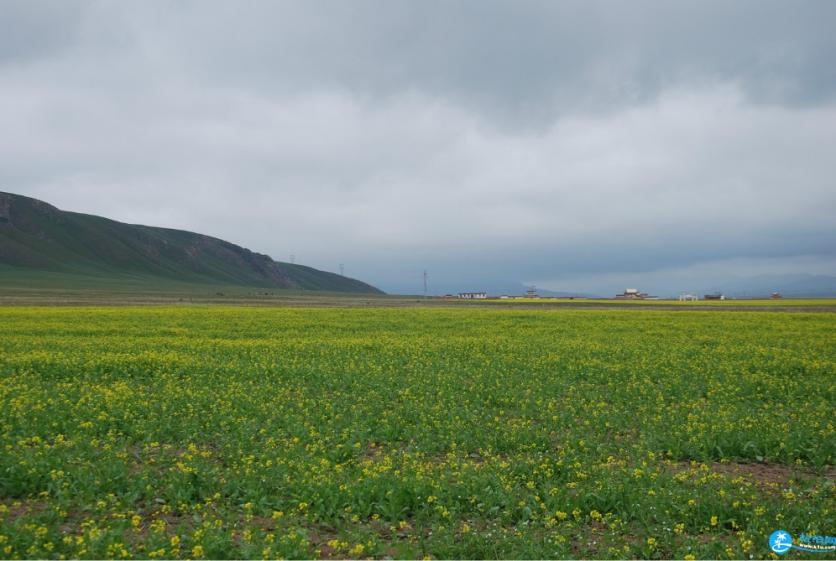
(454, 433)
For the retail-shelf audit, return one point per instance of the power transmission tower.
(292, 259)
(425, 283)
(342, 270)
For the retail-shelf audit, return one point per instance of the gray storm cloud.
(576, 145)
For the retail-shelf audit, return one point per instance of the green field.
(467, 432)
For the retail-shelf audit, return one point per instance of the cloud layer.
(575, 145)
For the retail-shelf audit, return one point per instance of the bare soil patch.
(770, 475)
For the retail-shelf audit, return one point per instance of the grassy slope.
(37, 236)
(26, 287)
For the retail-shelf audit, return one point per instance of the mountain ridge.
(36, 235)
(789, 284)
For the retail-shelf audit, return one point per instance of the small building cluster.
(628, 294)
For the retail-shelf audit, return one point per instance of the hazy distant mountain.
(796, 285)
(520, 290)
(562, 294)
(35, 235)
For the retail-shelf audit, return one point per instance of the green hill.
(37, 237)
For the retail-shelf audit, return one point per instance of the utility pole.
(425, 283)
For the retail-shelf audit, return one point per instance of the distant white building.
(687, 298)
(473, 295)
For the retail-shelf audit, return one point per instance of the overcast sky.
(582, 146)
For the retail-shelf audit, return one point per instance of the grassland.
(20, 287)
(464, 432)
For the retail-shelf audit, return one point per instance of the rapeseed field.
(206, 432)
